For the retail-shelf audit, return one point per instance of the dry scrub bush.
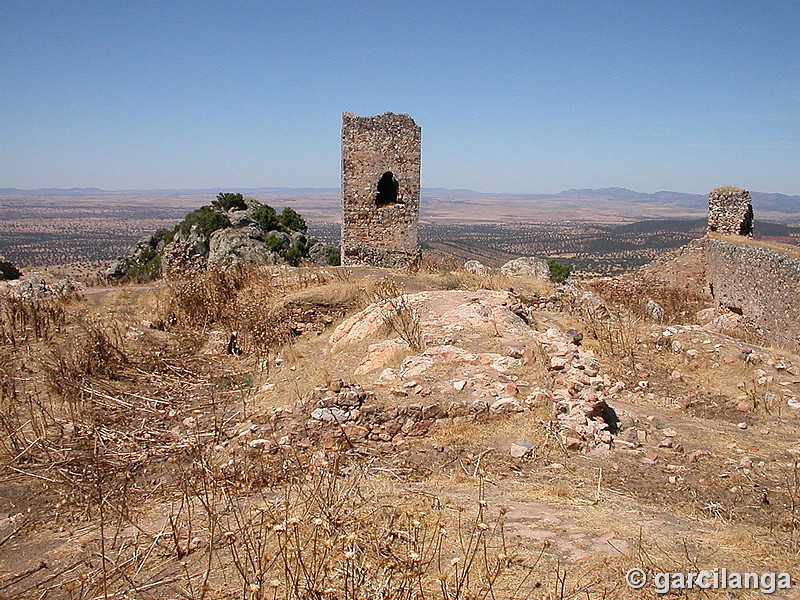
(331, 531)
(27, 319)
(403, 320)
(97, 350)
(204, 298)
(249, 300)
(438, 263)
(373, 292)
(616, 332)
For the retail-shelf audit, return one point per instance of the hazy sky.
(511, 96)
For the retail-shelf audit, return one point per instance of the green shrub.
(292, 220)
(146, 268)
(8, 271)
(267, 218)
(292, 255)
(207, 220)
(334, 257)
(558, 271)
(165, 235)
(274, 243)
(226, 201)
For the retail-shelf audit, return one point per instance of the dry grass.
(459, 278)
(26, 320)
(132, 444)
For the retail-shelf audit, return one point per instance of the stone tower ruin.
(730, 211)
(380, 190)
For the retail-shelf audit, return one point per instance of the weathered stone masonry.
(380, 190)
(762, 285)
(730, 212)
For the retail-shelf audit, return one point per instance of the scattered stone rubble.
(341, 415)
(577, 393)
(481, 385)
(773, 379)
(35, 288)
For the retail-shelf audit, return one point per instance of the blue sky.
(511, 96)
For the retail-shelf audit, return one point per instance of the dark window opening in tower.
(388, 188)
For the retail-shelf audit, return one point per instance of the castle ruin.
(730, 211)
(760, 284)
(380, 190)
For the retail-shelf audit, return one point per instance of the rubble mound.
(451, 328)
(37, 288)
(672, 286)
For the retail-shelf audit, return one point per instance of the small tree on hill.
(267, 218)
(292, 220)
(226, 201)
(558, 272)
(207, 220)
(8, 271)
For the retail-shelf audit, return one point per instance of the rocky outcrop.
(213, 236)
(241, 244)
(147, 245)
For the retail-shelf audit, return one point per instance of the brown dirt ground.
(720, 496)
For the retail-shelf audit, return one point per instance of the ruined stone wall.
(763, 285)
(730, 211)
(380, 190)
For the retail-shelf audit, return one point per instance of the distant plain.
(77, 233)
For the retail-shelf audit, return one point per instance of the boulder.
(320, 254)
(476, 267)
(654, 310)
(118, 268)
(243, 244)
(240, 218)
(286, 239)
(527, 265)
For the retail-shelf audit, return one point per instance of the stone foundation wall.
(762, 285)
(380, 190)
(730, 212)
